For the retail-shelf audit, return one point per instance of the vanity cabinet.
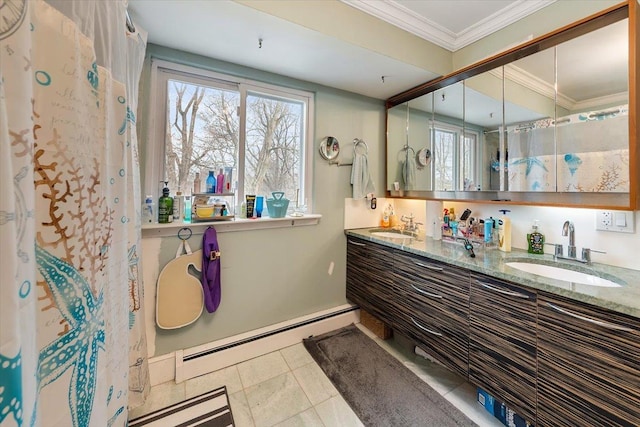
(369, 277)
(433, 306)
(502, 342)
(588, 365)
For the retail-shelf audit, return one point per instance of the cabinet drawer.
(588, 365)
(369, 277)
(433, 301)
(502, 343)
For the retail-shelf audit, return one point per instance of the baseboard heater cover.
(201, 360)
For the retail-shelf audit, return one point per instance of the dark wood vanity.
(554, 360)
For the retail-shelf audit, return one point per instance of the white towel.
(409, 172)
(360, 177)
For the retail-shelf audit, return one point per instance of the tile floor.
(287, 388)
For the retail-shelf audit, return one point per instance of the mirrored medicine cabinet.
(550, 122)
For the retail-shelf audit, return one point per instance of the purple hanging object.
(211, 269)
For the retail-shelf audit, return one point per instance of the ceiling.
(229, 31)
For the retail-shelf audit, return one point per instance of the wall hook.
(259, 43)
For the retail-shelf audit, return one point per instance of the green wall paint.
(269, 276)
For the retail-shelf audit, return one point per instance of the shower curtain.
(70, 291)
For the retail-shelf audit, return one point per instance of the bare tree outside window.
(443, 147)
(274, 145)
(203, 134)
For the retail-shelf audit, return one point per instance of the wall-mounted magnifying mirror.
(329, 148)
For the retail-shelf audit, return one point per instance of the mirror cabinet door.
(415, 157)
(448, 126)
(529, 110)
(396, 139)
(482, 123)
(592, 135)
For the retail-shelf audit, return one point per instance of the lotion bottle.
(504, 231)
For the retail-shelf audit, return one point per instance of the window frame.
(163, 70)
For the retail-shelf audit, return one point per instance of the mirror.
(543, 123)
(593, 111)
(409, 145)
(529, 115)
(329, 148)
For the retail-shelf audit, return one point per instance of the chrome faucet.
(410, 224)
(569, 229)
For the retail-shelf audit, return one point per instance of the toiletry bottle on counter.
(165, 206)
(535, 239)
(196, 184)
(220, 182)
(187, 208)
(504, 231)
(488, 230)
(178, 209)
(384, 222)
(211, 183)
(148, 210)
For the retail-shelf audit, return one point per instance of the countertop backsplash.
(621, 249)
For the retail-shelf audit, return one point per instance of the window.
(455, 166)
(255, 134)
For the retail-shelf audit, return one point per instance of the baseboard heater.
(213, 356)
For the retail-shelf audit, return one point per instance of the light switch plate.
(619, 221)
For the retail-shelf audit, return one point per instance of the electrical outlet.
(620, 221)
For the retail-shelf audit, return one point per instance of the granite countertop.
(624, 299)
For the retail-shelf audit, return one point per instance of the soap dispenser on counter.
(535, 239)
(504, 231)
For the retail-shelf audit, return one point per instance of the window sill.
(237, 224)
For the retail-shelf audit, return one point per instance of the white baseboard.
(162, 368)
(173, 366)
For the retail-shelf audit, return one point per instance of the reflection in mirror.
(529, 94)
(448, 126)
(409, 145)
(329, 148)
(483, 121)
(593, 95)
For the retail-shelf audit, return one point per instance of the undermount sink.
(564, 274)
(392, 234)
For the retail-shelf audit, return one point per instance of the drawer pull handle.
(588, 319)
(430, 267)
(357, 243)
(501, 291)
(426, 293)
(438, 334)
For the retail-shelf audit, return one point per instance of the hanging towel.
(360, 176)
(211, 270)
(409, 172)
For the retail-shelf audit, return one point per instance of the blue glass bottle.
(211, 183)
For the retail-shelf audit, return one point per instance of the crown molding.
(528, 80)
(499, 20)
(405, 19)
(398, 15)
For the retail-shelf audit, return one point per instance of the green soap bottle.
(165, 206)
(535, 239)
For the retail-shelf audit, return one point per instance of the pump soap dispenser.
(504, 231)
(535, 239)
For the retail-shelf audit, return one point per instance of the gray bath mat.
(379, 389)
